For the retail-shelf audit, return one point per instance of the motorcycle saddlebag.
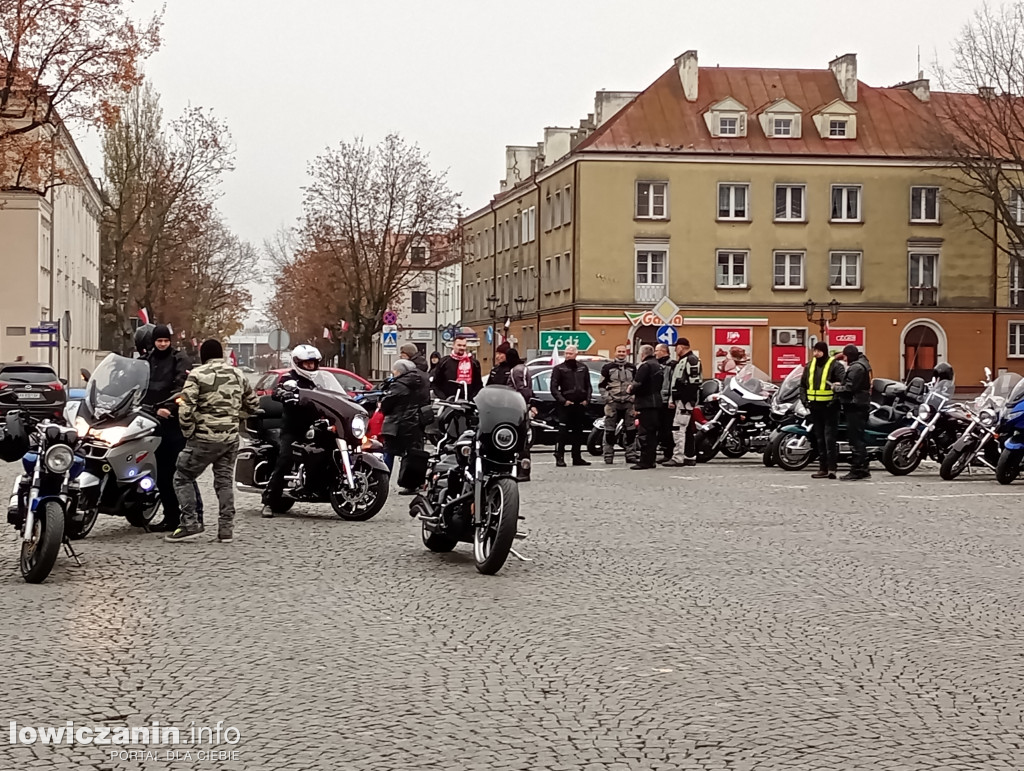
(414, 469)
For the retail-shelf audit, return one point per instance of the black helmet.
(144, 338)
(942, 371)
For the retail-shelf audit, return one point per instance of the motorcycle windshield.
(753, 382)
(998, 390)
(499, 404)
(789, 391)
(116, 387)
(335, 407)
(940, 392)
(1017, 394)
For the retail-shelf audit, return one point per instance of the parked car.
(545, 425)
(350, 381)
(593, 362)
(34, 388)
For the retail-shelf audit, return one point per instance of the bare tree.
(364, 208)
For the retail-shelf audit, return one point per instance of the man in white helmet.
(296, 420)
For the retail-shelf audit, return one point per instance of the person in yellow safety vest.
(816, 393)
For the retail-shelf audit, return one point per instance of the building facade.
(742, 194)
(49, 249)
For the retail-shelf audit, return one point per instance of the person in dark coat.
(855, 394)
(499, 375)
(435, 359)
(667, 418)
(572, 389)
(412, 353)
(402, 405)
(817, 395)
(457, 372)
(646, 390)
(168, 368)
(519, 379)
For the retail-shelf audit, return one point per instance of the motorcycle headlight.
(504, 437)
(111, 436)
(800, 410)
(988, 418)
(59, 458)
(358, 426)
(728, 405)
(925, 411)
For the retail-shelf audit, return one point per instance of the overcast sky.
(464, 78)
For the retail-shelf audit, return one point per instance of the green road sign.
(564, 337)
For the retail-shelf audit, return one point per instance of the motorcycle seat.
(882, 420)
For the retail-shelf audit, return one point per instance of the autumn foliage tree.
(164, 246)
(363, 209)
(62, 61)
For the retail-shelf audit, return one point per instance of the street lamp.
(520, 302)
(812, 307)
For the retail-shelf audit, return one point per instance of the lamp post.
(492, 308)
(833, 310)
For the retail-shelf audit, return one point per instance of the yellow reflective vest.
(823, 391)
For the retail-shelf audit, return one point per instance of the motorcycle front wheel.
(792, 452)
(1008, 467)
(595, 443)
(39, 554)
(956, 461)
(493, 540)
(734, 445)
(367, 499)
(899, 457)
(704, 445)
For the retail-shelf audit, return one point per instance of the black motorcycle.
(41, 506)
(472, 493)
(979, 444)
(936, 426)
(740, 417)
(336, 464)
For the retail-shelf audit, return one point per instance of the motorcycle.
(891, 406)
(935, 427)
(118, 442)
(979, 443)
(787, 409)
(1012, 427)
(472, 493)
(595, 442)
(739, 422)
(41, 506)
(337, 463)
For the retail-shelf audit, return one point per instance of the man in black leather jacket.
(572, 389)
(406, 395)
(855, 395)
(646, 389)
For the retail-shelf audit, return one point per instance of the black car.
(545, 423)
(34, 388)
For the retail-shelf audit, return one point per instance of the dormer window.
(837, 120)
(727, 118)
(781, 119)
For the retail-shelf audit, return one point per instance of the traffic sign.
(490, 334)
(279, 339)
(389, 339)
(43, 343)
(65, 327)
(390, 318)
(560, 338)
(44, 329)
(667, 335)
(666, 310)
(447, 334)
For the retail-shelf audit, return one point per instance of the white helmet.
(305, 353)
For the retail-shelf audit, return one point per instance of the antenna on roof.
(920, 72)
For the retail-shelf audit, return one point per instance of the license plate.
(29, 396)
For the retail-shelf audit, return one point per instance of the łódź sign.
(560, 338)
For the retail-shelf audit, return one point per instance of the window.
(547, 213)
(923, 279)
(924, 204)
(18, 331)
(566, 206)
(651, 200)
(1017, 205)
(731, 270)
(728, 127)
(419, 302)
(837, 128)
(1016, 281)
(846, 203)
(844, 270)
(789, 270)
(525, 227)
(789, 203)
(418, 255)
(732, 202)
(516, 228)
(650, 267)
(782, 127)
(506, 239)
(532, 219)
(556, 209)
(1016, 339)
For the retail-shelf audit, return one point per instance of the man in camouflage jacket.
(215, 399)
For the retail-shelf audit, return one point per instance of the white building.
(50, 253)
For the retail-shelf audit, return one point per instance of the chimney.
(608, 103)
(987, 92)
(845, 70)
(689, 73)
(921, 88)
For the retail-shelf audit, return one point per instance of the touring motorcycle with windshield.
(979, 444)
(787, 410)
(739, 416)
(337, 464)
(472, 494)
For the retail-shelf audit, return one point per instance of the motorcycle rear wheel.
(898, 458)
(956, 462)
(39, 555)
(492, 542)
(1008, 467)
(372, 498)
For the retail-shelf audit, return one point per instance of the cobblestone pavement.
(726, 617)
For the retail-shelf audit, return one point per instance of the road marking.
(790, 487)
(959, 495)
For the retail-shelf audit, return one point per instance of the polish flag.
(554, 356)
(343, 325)
(143, 316)
(327, 334)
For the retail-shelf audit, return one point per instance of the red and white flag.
(143, 316)
(554, 355)
(343, 325)
(327, 334)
